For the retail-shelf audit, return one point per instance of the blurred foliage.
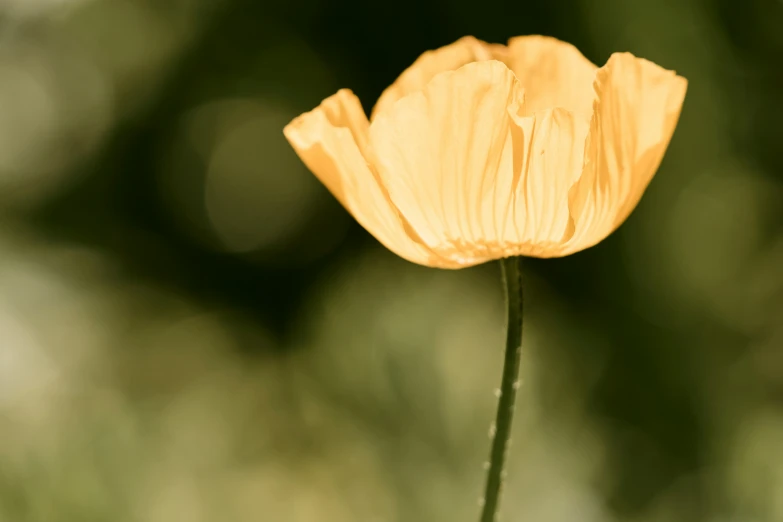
(191, 328)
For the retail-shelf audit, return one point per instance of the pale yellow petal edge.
(328, 139)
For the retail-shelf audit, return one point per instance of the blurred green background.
(192, 329)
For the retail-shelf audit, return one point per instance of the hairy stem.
(501, 429)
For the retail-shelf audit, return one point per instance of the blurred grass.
(192, 329)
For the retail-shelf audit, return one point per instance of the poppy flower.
(483, 151)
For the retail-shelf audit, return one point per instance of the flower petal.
(428, 65)
(637, 108)
(330, 140)
(473, 177)
(552, 158)
(553, 74)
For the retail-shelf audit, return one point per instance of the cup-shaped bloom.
(482, 151)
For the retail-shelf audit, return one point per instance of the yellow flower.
(482, 151)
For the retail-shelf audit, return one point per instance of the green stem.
(512, 279)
